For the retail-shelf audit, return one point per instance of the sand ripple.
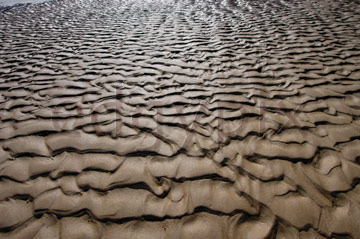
(180, 119)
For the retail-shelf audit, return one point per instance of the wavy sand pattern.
(180, 119)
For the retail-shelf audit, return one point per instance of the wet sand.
(180, 119)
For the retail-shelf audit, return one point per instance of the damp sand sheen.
(180, 119)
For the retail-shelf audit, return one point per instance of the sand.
(20, 2)
(180, 119)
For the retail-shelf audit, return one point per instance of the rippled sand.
(6, 3)
(180, 119)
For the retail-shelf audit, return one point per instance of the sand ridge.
(180, 119)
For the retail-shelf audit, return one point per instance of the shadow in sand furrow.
(178, 197)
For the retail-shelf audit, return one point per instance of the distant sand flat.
(13, 2)
(180, 119)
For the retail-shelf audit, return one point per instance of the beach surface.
(8, 3)
(180, 119)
